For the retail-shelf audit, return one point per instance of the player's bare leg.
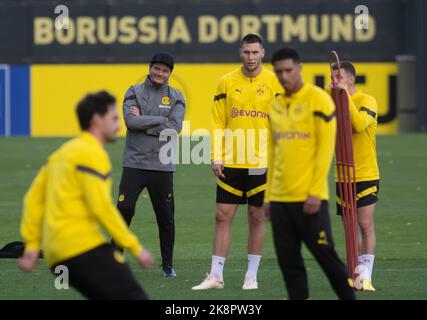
(367, 245)
(366, 224)
(256, 219)
(225, 214)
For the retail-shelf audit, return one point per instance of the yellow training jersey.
(302, 144)
(364, 117)
(241, 106)
(70, 200)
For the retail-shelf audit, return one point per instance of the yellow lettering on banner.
(66, 36)
(159, 29)
(179, 31)
(297, 28)
(163, 29)
(127, 29)
(43, 31)
(342, 27)
(316, 34)
(147, 27)
(85, 30)
(107, 35)
(271, 20)
(366, 35)
(229, 29)
(250, 24)
(208, 29)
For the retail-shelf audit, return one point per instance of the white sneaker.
(250, 284)
(209, 283)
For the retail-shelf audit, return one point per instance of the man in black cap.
(152, 110)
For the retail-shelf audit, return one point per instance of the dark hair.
(284, 54)
(251, 38)
(347, 66)
(93, 103)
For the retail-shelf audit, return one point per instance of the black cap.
(164, 58)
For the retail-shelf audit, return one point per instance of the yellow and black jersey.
(364, 119)
(70, 200)
(302, 144)
(241, 106)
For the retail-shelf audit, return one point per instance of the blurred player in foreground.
(302, 140)
(68, 203)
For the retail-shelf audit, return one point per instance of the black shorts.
(101, 273)
(366, 194)
(241, 186)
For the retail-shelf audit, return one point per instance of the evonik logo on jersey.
(291, 135)
(235, 112)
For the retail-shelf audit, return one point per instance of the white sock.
(363, 268)
(253, 264)
(368, 261)
(217, 267)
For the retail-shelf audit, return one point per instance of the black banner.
(38, 32)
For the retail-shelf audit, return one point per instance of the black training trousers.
(102, 274)
(160, 189)
(291, 226)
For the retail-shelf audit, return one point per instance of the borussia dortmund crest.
(165, 100)
(260, 91)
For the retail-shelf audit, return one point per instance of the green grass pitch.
(401, 262)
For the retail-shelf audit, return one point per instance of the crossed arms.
(151, 125)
